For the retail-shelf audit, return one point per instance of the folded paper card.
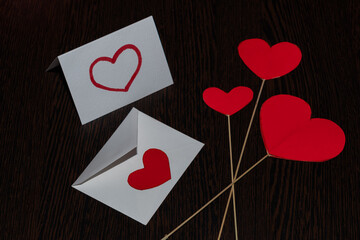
(115, 70)
(138, 166)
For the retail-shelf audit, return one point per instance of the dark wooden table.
(44, 147)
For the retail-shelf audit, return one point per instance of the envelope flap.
(120, 144)
(153, 133)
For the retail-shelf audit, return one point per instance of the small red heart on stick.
(156, 171)
(290, 133)
(227, 103)
(112, 61)
(269, 62)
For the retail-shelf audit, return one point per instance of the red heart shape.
(269, 62)
(156, 171)
(290, 133)
(227, 103)
(112, 61)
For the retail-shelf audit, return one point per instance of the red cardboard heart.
(156, 171)
(112, 61)
(227, 103)
(269, 62)
(290, 133)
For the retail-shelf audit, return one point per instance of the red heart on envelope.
(227, 103)
(269, 62)
(112, 61)
(156, 171)
(290, 133)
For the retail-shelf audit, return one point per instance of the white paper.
(153, 75)
(141, 132)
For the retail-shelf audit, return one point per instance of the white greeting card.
(115, 70)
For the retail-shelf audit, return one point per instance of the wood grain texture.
(44, 147)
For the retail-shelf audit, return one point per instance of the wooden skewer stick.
(232, 193)
(214, 198)
(232, 179)
(226, 209)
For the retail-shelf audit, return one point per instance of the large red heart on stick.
(227, 103)
(269, 62)
(112, 61)
(290, 133)
(156, 171)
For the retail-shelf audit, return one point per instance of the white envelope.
(115, 70)
(106, 177)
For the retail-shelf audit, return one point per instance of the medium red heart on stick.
(269, 62)
(156, 171)
(227, 103)
(290, 133)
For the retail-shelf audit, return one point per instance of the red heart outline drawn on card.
(269, 62)
(227, 103)
(156, 171)
(290, 133)
(112, 61)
